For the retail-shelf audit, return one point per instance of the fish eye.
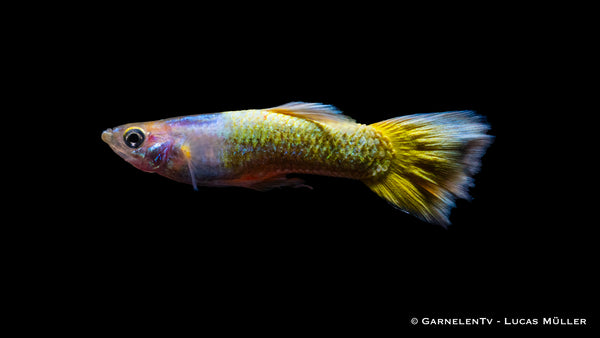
(134, 137)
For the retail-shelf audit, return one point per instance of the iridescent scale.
(260, 142)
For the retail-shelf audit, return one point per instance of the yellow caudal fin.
(435, 157)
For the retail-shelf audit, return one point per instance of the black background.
(137, 249)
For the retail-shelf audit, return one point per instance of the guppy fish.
(419, 163)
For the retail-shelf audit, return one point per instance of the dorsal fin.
(312, 111)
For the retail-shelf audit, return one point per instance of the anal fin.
(262, 183)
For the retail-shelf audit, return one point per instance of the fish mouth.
(107, 135)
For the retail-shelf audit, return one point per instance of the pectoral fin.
(187, 153)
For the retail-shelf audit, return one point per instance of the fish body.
(419, 163)
(263, 143)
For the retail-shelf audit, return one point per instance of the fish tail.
(434, 159)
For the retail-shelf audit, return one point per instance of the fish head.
(144, 145)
